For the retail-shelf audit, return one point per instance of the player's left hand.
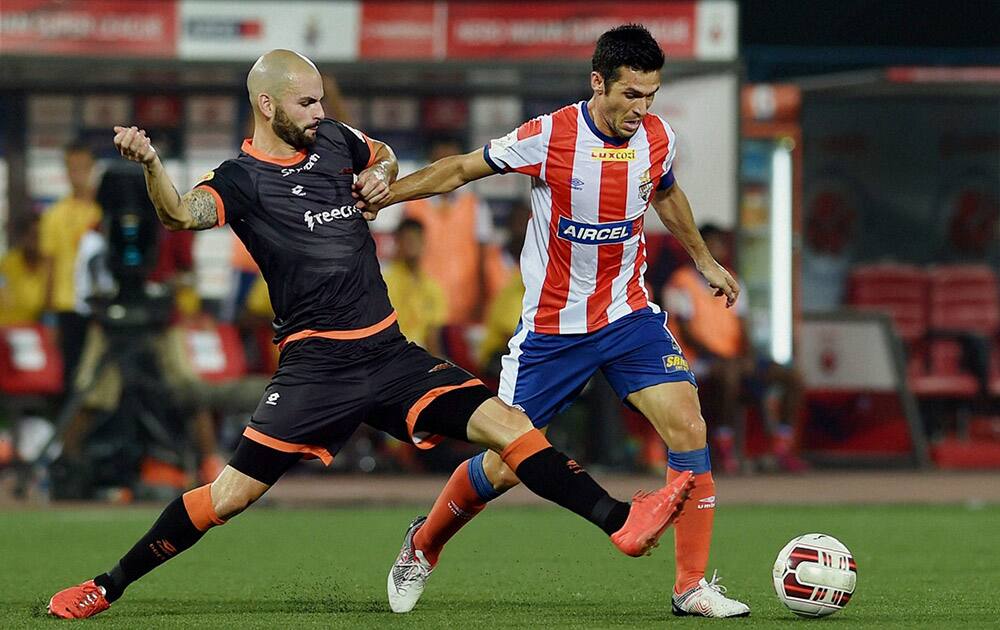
(721, 280)
(371, 190)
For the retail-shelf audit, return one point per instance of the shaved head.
(276, 71)
(285, 89)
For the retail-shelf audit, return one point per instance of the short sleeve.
(667, 180)
(361, 147)
(232, 188)
(521, 151)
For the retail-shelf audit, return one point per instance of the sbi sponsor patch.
(594, 233)
(675, 363)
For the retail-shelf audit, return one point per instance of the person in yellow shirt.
(504, 311)
(62, 227)
(717, 343)
(22, 276)
(421, 306)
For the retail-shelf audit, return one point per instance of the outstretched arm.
(195, 210)
(674, 209)
(442, 176)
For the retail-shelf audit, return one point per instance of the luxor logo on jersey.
(334, 214)
(612, 155)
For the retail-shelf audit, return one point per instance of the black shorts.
(324, 388)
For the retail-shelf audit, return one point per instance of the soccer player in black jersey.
(290, 197)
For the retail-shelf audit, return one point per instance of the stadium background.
(851, 151)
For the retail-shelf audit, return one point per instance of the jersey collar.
(597, 132)
(252, 151)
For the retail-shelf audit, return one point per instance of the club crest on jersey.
(675, 363)
(612, 155)
(594, 233)
(645, 186)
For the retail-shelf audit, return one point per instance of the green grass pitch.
(927, 567)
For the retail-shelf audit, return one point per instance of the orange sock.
(693, 531)
(455, 506)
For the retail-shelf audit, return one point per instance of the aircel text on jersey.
(285, 172)
(343, 212)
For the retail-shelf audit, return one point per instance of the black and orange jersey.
(298, 220)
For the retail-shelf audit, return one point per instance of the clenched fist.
(133, 144)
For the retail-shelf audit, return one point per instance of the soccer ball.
(815, 575)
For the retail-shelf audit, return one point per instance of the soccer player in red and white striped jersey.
(595, 167)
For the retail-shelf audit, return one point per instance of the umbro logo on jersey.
(707, 503)
(596, 233)
(576, 183)
(298, 192)
(612, 155)
(272, 399)
(322, 218)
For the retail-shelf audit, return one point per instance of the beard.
(288, 131)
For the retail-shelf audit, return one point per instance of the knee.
(496, 424)
(685, 427)
(228, 502)
(500, 475)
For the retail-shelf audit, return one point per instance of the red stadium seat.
(30, 363)
(897, 290)
(940, 301)
(215, 351)
(964, 298)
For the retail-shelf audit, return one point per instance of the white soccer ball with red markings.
(815, 575)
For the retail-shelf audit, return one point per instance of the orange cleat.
(78, 602)
(651, 514)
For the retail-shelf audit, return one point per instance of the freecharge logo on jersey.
(612, 155)
(595, 233)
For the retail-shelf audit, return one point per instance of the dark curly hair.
(629, 45)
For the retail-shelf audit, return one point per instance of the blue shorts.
(543, 374)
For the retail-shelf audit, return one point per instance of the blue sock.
(477, 475)
(696, 460)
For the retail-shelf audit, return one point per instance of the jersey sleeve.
(667, 180)
(232, 189)
(360, 145)
(520, 151)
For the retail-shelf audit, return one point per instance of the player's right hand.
(133, 144)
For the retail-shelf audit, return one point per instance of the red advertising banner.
(403, 30)
(565, 30)
(88, 27)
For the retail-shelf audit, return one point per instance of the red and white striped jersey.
(584, 254)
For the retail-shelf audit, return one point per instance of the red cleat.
(651, 514)
(78, 602)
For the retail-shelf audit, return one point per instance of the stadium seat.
(930, 317)
(215, 351)
(897, 290)
(30, 363)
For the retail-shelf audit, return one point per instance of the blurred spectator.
(716, 342)
(22, 275)
(457, 229)
(245, 275)
(160, 359)
(175, 268)
(504, 310)
(62, 227)
(420, 302)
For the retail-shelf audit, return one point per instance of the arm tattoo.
(201, 205)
